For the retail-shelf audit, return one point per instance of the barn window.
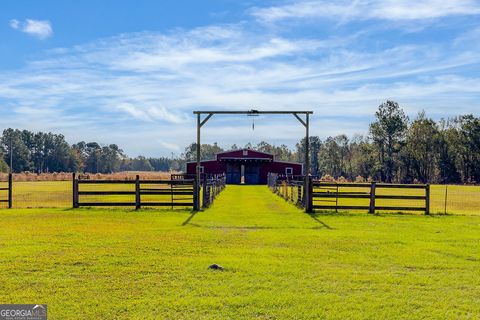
(202, 169)
(289, 170)
(245, 152)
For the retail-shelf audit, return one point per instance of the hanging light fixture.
(253, 113)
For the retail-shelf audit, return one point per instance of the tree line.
(396, 149)
(48, 152)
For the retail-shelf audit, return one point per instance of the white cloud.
(152, 113)
(170, 146)
(14, 23)
(138, 90)
(397, 10)
(41, 29)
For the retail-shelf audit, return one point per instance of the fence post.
(137, 193)
(204, 192)
(427, 199)
(309, 204)
(195, 195)
(372, 197)
(446, 195)
(10, 190)
(75, 190)
(299, 194)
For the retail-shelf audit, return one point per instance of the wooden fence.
(212, 185)
(348, 196)
(329, 195)
(290, 187)
(6, 191)
(179, 191)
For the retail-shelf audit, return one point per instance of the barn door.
(233, 173)
(252, 174)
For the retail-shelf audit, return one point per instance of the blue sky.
(132, 72)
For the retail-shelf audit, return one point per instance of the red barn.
(247, 166)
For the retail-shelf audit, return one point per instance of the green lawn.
(280, 262)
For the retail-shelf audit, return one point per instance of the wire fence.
(455, 199)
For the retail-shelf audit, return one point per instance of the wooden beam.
(253, 112)
(205, 120)
(300, 119)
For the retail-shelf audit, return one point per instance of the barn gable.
(244, 154)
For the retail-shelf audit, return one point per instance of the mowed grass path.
(280, 262)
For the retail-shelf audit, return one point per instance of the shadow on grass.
(314, 216)
(376, 214)
(192, 214)
(251, 227)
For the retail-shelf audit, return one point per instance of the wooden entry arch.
(305, 122)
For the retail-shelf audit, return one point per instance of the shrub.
(359, 179)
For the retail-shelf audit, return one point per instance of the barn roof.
(246, 155)
(245, 149)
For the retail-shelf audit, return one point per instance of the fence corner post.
(427, 199)
(137, 193)
(372, 197)
(10, 190)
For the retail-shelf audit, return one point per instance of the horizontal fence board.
(341, 207)
(340, 195)
(3, 200)
(167, 189)
(333, 184)
(106, 204)
(159, 192)
(401, 208)
(400, 197)
(105, 193)
(167, 204)
(400, 186)
(187, 181)
(368, 185)
(106, 181)
(3, 189)
(133, 204)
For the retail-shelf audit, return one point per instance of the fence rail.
(327, 195)
(179, 191)
(351, 196)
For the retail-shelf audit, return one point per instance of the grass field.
(280, 262)
(58, 194)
